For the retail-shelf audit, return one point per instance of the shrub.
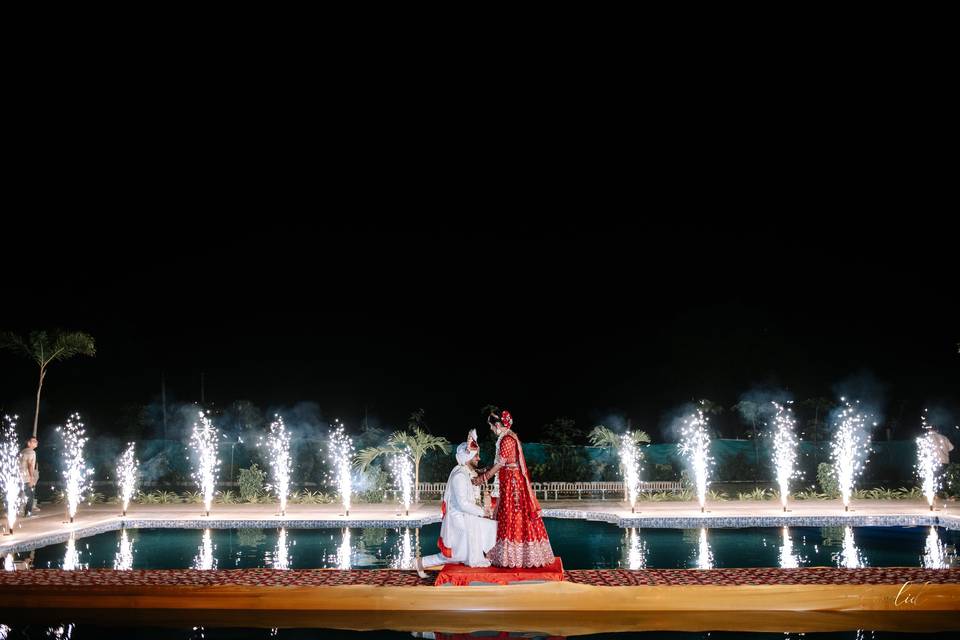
(827, 479)
(251, 483)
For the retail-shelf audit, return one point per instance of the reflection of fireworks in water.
(76, 474)
(403, 478)
(204, 443)
(281, 555)
(848, 449)
(10, 469)
(928, 462)
(636, 550)
(127, 475)
(341, 457)
(788, 559)
(934, 554)
(61, 632)
(71, 558)
(204, 559)
(849, 557)
(695, 446)
(344, 551)
(630, 462)
(123, 560)
(784, 450)
(8, 563)
(403, 552)
(278, 444)
(704, 555)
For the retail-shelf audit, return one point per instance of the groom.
(467, 532)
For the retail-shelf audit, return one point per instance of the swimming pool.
(581, 544)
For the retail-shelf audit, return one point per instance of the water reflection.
(8, 562)
(344, 551)
(635, 550)
(849, 556)
(204, 559)
(123, 560)
(403, 552)
(789, 559)
(71, 557)
(934, 553)
(704, 554)
(281, 555)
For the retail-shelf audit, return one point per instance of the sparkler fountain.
(10, 470)
(784, 450)
(278, 445)
(204, 443)
(630, 463)
(928, 462)
(127, 470)
(340, 456)
(695, 446)
(76, 475)
(403, 478)
(848, 450)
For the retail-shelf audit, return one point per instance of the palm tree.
(607, 438)
(710, 408)
(413, 444)
(44, 348)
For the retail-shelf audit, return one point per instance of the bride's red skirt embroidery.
(521, 535)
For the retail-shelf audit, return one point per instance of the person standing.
(29, 475)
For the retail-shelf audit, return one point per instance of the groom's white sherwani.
(464, 533)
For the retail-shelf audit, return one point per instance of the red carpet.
(462, 575)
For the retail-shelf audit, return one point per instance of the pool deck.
(809, 599)
(49, 525)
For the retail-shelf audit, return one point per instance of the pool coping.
(624, 522)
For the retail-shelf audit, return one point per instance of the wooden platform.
(719, 599)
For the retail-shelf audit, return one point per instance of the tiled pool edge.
(635, 520)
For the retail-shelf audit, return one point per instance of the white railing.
(569, 488)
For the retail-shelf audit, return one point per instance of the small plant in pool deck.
(192, 497)
(717, 496)
(756, 494)
(251, 483)
(810, 494)
(224, 497)
(167, 497)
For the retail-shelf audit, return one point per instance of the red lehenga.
(521, 536)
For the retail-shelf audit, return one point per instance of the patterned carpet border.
(397, 578)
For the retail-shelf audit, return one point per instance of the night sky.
(633, 321)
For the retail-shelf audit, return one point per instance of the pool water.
(582, 545)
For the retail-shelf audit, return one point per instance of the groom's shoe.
(418, 563)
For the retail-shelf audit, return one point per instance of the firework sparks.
(341, 456)
(928, 462)
(695, 446)
(278, 445)
(204, 443)
(784, 450)
(127, 470)
(403, 478)
(76, 474)
(10, 470)
(630, 457)
(123, 559)
(848, 450)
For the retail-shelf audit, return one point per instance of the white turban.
(465, 453)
